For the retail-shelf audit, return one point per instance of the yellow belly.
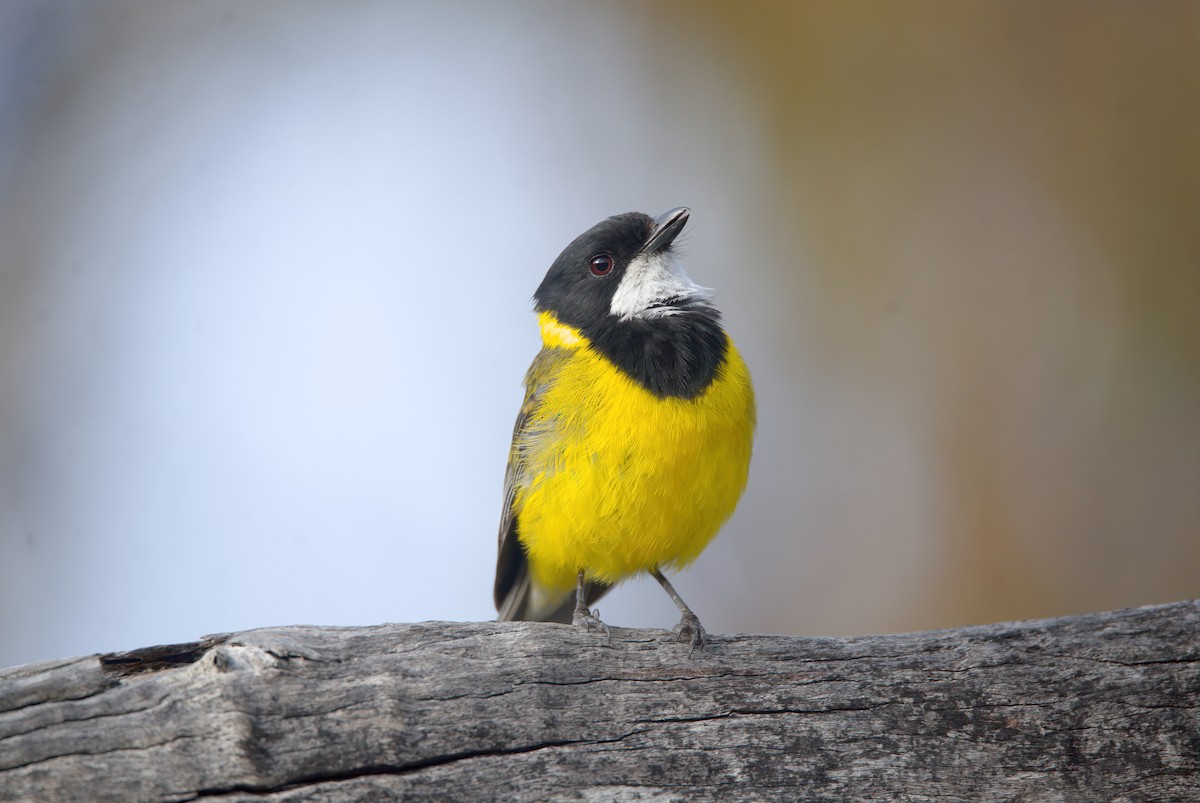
(622, 481)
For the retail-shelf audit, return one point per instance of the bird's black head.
(621, 268)
(621, 285)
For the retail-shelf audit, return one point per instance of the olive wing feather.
(513, 587)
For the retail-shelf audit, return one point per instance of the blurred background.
(265, 272)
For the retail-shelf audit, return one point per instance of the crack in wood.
(154, 659)
(403, 769)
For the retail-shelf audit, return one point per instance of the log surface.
(1096, 707)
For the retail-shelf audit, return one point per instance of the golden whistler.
(633, 444)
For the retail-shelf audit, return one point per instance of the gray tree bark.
(1097, 707)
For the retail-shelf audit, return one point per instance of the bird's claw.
(690, 630)
(590, 619)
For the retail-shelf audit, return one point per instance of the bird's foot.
(690, 630)
(589, 620)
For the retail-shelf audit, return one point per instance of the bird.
(632, 446)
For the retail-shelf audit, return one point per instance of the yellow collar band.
(558, 335)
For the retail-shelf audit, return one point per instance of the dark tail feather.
(514, 587)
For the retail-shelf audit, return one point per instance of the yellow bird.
(633, 444)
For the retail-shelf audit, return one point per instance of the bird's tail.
(520, 598)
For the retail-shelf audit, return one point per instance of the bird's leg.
(583, 617)
(689, 626)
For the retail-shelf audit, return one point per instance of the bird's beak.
(665, 230)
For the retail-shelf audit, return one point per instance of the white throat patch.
(655, 285)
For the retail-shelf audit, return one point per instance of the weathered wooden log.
(1096, 707)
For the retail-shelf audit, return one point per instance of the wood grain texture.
(1096, 707)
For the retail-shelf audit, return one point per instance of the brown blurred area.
(998, 206)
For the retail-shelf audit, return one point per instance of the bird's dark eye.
(601, 265)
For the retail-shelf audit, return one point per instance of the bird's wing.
(514, 589)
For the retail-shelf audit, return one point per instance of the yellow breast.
(620, 480)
